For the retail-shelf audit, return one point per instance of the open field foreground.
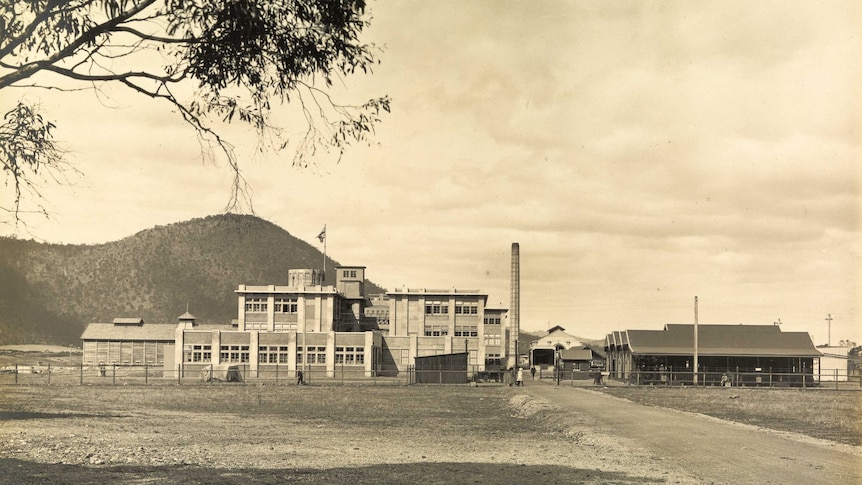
(356, 435)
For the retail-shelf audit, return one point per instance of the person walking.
(533, 373)
(519, 380)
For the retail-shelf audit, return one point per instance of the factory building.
(306, 325)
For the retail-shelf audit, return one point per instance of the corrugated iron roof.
(145, 331)
(742, 340)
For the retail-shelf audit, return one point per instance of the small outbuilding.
(128, 341)
(558, 348)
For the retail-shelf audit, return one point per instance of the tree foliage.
(211, 61)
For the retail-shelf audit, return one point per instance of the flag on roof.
(322, 235)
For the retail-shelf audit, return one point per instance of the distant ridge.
(49, 292)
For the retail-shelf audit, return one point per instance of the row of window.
(349, 355)
(466, 308)
(443, 330)
(492, 319)
(274, 354)
(279, 305)
(436, 330)
(316, 355)
(441, 307)
(466, 331)
(436, 307)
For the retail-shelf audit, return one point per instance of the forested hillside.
(49, 292)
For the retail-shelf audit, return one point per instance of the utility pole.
(695, 341)
(829, 335)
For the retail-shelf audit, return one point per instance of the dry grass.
(826, 414)
(429, 408)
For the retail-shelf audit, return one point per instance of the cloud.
(640, 153)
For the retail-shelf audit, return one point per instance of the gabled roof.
(738, 340)
(556, 336)
(616, 339)
(160, 332)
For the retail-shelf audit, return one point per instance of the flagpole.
(322, 238)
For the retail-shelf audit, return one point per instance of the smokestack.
(515, 306)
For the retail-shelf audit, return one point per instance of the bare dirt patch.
(288, 434)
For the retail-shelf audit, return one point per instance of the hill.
(49, 292)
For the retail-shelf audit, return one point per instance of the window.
(466, 331)
(492, 319)
(437, 307)
(492, 359)
(316, 355)
(285, 305)
(436, 330)
(272, 354)
(350, 355)
(492, 340)
(234, 353)
(349, 273)
(466, 307)
(199, 353)
(255, 305)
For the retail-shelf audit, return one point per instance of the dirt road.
(710, 450)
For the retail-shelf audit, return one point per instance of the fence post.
(276, 373)
(81, 377)
(179, 374)
(146, 373)
(113, 373)
(49, 373)
(16, 373)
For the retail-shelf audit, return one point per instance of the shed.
(127, 341)
(721, 348)
(441, 369)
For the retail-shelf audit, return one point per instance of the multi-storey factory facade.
(307, 325)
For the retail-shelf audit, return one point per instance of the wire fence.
(825, 378)
(210, 374)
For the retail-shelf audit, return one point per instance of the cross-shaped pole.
(829, 335)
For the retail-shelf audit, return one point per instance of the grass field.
(821, 413)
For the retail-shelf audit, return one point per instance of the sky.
(642, 154)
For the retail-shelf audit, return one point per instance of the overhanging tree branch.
(226, 51)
